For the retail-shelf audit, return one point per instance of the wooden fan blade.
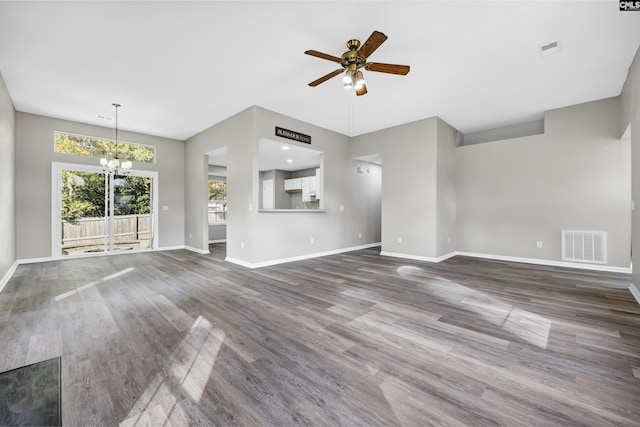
(361, 90)
(325, 78)
(323, 55)
(373, 42)
(388, 68)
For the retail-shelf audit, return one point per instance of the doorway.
(216, 231)
(95, 212)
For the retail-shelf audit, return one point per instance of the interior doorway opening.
(368, 178)
(217, 201)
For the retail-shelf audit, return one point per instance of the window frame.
(101, 155)
(217, 178)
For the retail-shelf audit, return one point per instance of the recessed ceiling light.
(285, 147)
(289, 160)
(550, 48)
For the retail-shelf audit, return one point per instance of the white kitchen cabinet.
(308, 188)
(293, 184)
(306, 185)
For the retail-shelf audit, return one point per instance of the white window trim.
(56, 208)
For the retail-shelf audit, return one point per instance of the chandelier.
(114, 164)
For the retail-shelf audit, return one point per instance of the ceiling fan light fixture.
(356, 58)
(358, 80)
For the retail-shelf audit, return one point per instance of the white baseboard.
(635, 292)
(35, 260)
(607, 268)
(46, 259)
(298, 258)
(171, 248)
(218, 241)
(239, 262)
(7, 276)
(196, 250)
(419, 257)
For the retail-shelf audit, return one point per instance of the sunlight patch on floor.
(196, 356)
(524, 324)
(92, 284)
(192, 365)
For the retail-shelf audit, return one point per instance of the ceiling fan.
(356, 58)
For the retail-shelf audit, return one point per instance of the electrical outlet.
(190, 235)
(539, 244)
(312, 241)
(359, 235)
(241, 245)
(449, 239)
(399, 239)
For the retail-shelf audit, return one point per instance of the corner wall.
(631, 117)
(7, 184)
(446, 189)
(418, 186)
(234, 133)
(257, 238)
(288, 235)
(576, 176)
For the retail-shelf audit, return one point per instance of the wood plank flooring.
(177, 338)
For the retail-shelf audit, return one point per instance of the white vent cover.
(584, 246)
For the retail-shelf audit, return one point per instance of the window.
(97, 147)
(217, 201)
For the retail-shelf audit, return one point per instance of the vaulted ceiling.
(178, 67)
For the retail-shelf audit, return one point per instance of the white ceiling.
(179, 67)
(287, 157)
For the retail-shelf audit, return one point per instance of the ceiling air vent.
(584, 246)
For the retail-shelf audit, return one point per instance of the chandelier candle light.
(114, 165)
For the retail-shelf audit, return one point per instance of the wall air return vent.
(584, 246)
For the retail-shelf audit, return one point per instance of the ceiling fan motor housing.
(351, 56)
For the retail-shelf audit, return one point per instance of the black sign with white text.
(630, 5)
(296, 136)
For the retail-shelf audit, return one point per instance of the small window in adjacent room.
(217, 201)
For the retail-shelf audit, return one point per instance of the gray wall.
(576, 176)
(217, 232)
(281, 198)
(253, 236)
(446, 189)
(283, 235)
(507, 132)
(241, 159)
(7, 181)
(34, 154)
(409, 188)
(366, 188)
(418, 185)
(630, 98)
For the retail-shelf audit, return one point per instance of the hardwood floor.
(177, 338)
